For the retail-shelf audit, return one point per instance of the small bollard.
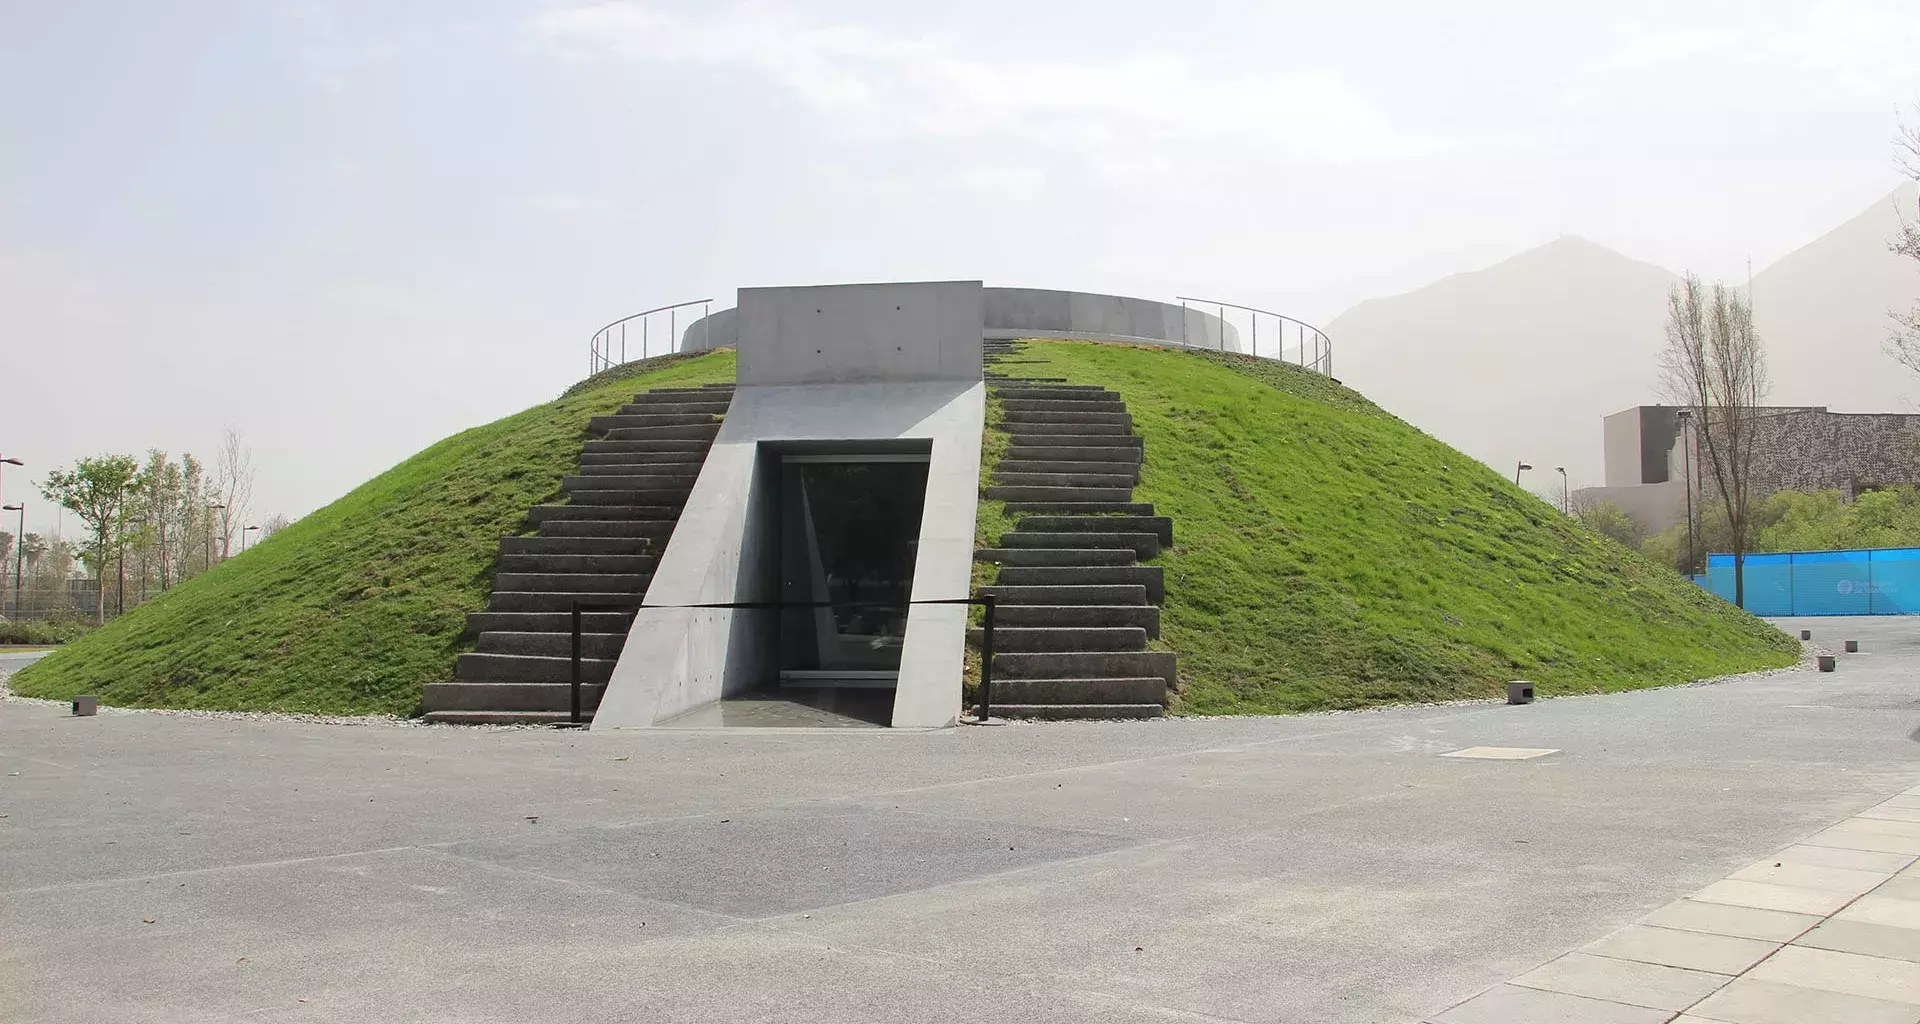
(1806, 634)
(86, 704)
(1520, 691)
(1826, 662)
(1853, 647)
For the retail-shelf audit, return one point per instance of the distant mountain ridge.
(1519, 361)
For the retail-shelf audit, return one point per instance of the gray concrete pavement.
(1323, 867)
(14, 659)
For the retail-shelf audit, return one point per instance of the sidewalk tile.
(1746, 1001)
(1622, 981)
(1874, 908)
(1864, 841)
(1721, 954)
(1879, 826)
(1903, 800)
(1722, 919)
(1807, 876)
(1858, 860)
(1886, 813)
(1772, 897)
(1870, 976)
(1865, 938)
(1899, 889)
(1506, 1004)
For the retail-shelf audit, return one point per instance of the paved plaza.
(1326, 868)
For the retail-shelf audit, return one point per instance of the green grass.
(1328, 555)
(354, 608)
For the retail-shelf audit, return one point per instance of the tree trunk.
(1739, 579)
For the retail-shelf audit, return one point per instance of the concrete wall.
(1620, 441)
(1653, 507)
(850, 333)
(1039, 312)
(677, 659)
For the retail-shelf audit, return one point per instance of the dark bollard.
(1520, 692)
(1853, 647)
(86, 704)
(1806, 634)
(1826, 662)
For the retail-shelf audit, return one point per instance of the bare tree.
(233, 483)
(1715, 365)
(274, 524)
(1904, 343)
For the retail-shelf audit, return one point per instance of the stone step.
(572, 582)
(632, 465)
(655, 530)
(546, 562)
(1091, 402)
(1144, 545)
(1032, 639)
(1109, 594)
(1007, 492)
(1116, 439)
(694, 446)
(666, 482)
(1080, 508)
(557, 644)
(1144, 616)
(1055, 556)
(501, 718)
(557, 601)
(1002, 379)
(529, 668)
(1108, 471)
(672, 405)
(1118, 690)
(1085, 665)
(1052, 393)
(1017, 422)
(1019, 474)
(1062, 428)
(548, 622)
(671, 497)
(663, 513)
(1009, 385)
(691, 433)
(1159, 526)
(649, 421)
(1077, 712)
(1127, 455)
(691, 457)
(1152, 577)
(574, 546)
(462, 695)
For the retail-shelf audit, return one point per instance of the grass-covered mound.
(1328, 555)
(357, 606)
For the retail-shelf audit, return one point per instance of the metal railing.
(609, 345)
(1311, 349)
(984, 708)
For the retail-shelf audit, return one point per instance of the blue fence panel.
(1831, 583)
(1768, 582)
(1896, 581)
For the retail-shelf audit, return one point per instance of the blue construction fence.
(1881, 581)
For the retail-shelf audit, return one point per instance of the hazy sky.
(349, 229)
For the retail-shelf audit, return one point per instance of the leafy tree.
(1611, 521)
(96, 490)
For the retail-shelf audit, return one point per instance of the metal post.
(706, 326)
(1183, 324)
(19, 549)
(643, 337)
(574, 703)
(1255, 318)
(986, 662)
(673, 329)
(623, 341)
(1223, 328)
(1686, 441)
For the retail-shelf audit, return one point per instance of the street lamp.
(11, 462)
(1566, 493)
(1517, 467)
(215, 507)
(243, 538)
(19, 549)
(1686, 449)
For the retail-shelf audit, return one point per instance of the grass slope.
(1328, 555)
(355, 607)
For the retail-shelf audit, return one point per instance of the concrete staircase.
(598, 548)
(1076, 608)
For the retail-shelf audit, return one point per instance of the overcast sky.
(349, 229)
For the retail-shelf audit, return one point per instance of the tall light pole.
(8, 462)
(19, 549)
(243, 538)
(1566, 492)
(1686, 442)
(215, 507)
(1517, 467)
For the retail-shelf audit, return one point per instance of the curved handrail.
(600, 349)
(1322, 361)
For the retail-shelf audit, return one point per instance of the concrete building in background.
(1801, 448)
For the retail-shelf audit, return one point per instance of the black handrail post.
(986, 660)
(575, 705)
